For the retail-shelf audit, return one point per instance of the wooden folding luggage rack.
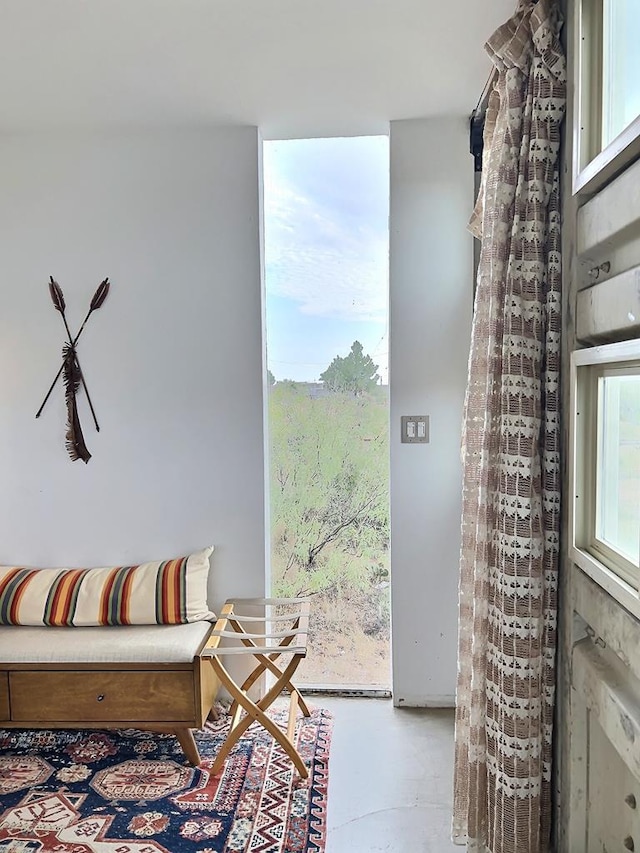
(267, 647)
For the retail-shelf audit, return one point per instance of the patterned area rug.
(133, 792)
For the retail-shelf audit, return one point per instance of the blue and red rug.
(133, 792)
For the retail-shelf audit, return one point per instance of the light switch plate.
(414, 429)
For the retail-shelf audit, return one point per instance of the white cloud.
(327, 244)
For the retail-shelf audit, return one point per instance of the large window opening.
(326, 271)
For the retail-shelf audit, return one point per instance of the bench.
(136, 676)
(71, 657)
(111, 647)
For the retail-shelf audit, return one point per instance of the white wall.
(173, 359)
(431, 287)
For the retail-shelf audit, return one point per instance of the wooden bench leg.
(188, 744)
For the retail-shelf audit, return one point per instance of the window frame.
(605, 565)
(594, 164)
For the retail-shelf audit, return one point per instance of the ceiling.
(293, 67)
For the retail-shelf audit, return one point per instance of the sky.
(326, 204)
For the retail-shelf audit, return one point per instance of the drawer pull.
(628, 843)
(630, 800)
(100, 697)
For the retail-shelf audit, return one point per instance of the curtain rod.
(483, 100)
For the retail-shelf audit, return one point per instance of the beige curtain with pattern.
(511, 453)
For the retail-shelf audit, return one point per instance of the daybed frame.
(172, 696)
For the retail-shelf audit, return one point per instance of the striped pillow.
(163, 593)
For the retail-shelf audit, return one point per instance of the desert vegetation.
(330, 515)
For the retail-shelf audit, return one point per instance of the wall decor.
(71, 371)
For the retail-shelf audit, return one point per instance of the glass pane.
(618, 522)
(621, 67)
(326, 275)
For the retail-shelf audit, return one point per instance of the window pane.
(618, 521)
(621, 67)
(326, 281)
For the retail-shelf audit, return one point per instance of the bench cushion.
(165, 592)
(120, 644)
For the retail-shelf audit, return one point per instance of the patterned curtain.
(511, 453)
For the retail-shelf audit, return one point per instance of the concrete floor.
(390, 777)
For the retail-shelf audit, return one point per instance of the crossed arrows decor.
(71, 371)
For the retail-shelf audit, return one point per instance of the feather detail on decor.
(76, 447)
(98, 298)
(101, 294)
(56, 295)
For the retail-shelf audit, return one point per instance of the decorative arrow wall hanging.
(71, 371)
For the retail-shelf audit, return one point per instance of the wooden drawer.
(4, 695)
(102, 696)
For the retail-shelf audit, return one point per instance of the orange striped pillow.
(166, 592)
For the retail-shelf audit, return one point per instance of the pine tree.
(355, 374)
